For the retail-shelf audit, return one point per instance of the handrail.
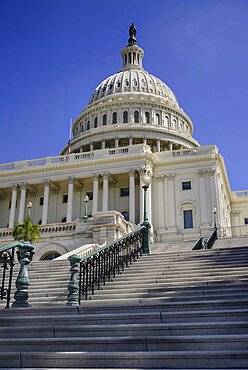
(103, 265)
(212, 239)
(198, 244)
(206, 243)
(7, 254)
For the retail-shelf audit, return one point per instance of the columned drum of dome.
(132, 104)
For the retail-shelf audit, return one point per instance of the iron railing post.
(73, 287)
(25, 255)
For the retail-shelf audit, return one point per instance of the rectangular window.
(186, 185)
(41, 201)
(65, 198)
(124, 192)
(246, 221)
(188, 219)
(90, 194)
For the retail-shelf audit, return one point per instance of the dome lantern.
(132, 54)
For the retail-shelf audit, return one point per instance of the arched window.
(63, 219)
(125, 214)
(50, 256)
(104, 119)
(158, 121)
(166, 119)
(147, 117)
(40, 222)
(114, 118)
(88, 125)
(136, 116)
(95, 122)
(125, 117)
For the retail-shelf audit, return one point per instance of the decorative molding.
(95, 177)
(159, 178)
(71, 180)
(105, 176)
(23, 186)
(14, 187)
(131, 173)
(47, 182)
(211, 172)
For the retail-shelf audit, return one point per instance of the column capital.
(71, 180)
(23, 186)
(202, 173)
(159, 178)
(131, 173)
(14, 187)
(105, 176)
(211, 172)
(47, 182)
(95, 177)
(170, 176)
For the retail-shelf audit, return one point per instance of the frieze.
(202, 173)
(170, 176)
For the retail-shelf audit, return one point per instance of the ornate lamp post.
(145, 181)
(214, 210)
(29, 205)
(86, 199)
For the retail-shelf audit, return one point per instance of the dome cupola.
(132, 106)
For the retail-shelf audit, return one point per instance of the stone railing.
(240, 194)
(209, 150)
(44, 229)
(62, 159)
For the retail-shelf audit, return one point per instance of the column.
(105, 177)
(91, 147)
(13, 206)
(214, 194)
(23, 187)
(161, 210)
(158, 145)
(171, 202)
(144, 141)
(116, 142)
(141, 173)
(70, 199)
(170, 146)
(103, 144)
(130, 141)
(132, 196)
(45, 202)
(95, 193)
(203, 199)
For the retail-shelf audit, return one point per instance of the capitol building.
(92, 193)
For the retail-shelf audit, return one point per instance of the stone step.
(64, 330)
(137, 360)
(127, 343)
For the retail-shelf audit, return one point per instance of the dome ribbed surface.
(134, 80)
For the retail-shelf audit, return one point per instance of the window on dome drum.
(158, 121)
(186, 185)
(188, 219)
(88, 125)
(95, 122)
(125, 214)
(63, 219)
(147, 117)
(125, 117)
(124, 192)
(90, 194)
(104, 119)
(136, 116)
(39, 222)
(246, 221)
(41, 201)
(65, 198)
(114, 118)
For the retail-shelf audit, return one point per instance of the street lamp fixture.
(29, 205)
(86, 199)
(145, 181)
(214, 210)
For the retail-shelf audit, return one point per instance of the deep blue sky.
(55, 52)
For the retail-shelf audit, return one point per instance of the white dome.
(134, 80)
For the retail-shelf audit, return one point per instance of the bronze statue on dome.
(132, 34)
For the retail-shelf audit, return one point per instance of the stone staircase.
(177, 310)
